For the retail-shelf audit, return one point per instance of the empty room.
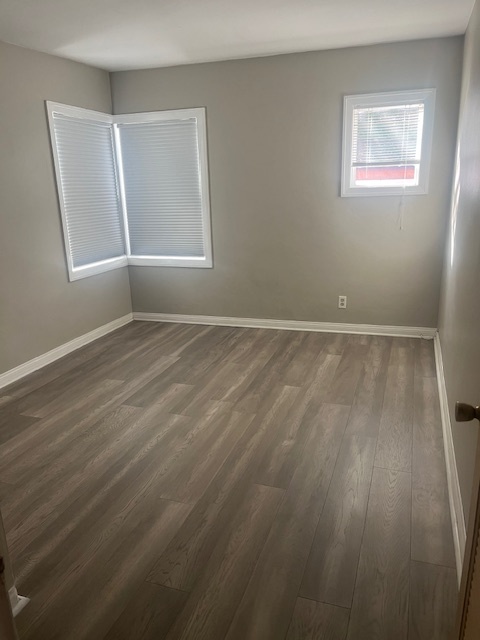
(239, 320)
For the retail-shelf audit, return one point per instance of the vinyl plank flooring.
(335, 343)
(33, 450)
(77, 396)
(167, 398)
(190, 477)
(234, 381)
(344, 383)
(400, 345)
(433, 599)
(271, 373)
(53, 479)
(13, 424)
(216, 375)
(85, 510)
(6, 490)
(281, 458)
(258, 344)
(197, 340)
(250, 363)
(55, 434)
(107, 580)
(302, 366)
(367, 404)
(432, 539)
(205, 354)
(269, 599)
(380, 601)
(38, 402)
(149, 614)
(317, 621)
(425, 359)
(211, 605)
(189, 551)
(359, 339)
(127, 335)
(169, 339)
(332, 565)
(222, 345)
(32, 446)
(88, 510)
(182, 481)
(159, 384)
(83, 393)
(196, 402)
(394, 445)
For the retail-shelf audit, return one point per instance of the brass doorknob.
(466, 412)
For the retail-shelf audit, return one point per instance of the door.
(468, 618)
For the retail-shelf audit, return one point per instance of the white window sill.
(96, 268)
(168, 261)
(353, 192)
(138, 261)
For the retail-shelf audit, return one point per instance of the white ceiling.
(133, 34)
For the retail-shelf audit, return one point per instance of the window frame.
(94, 268)
(387, 99)
(199, 113)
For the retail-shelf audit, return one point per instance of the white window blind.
(165, 187)
(387, 143)
(89, 197)
(385, 146)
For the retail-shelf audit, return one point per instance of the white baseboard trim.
(455, 498)
(292, 325)
(40, 361)
(17, 602)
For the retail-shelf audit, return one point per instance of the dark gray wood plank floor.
(191, 482)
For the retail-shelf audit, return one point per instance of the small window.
(387, 139)
(133, 189)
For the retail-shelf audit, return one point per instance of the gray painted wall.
(285, 244)
(459, 320)
(39, 308)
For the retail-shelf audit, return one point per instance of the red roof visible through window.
(385, 173)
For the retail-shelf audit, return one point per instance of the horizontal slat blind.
(387, 136)
(89, 189)
(161, 174)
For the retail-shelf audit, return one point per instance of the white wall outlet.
(342, 302)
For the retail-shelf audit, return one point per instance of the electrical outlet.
(342, 302)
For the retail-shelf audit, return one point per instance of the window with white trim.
(387, 140)
(133, 189)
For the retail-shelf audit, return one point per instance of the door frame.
(468, 615)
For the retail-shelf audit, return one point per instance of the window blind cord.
(369, 138)
(401, 210)
(401, 204)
